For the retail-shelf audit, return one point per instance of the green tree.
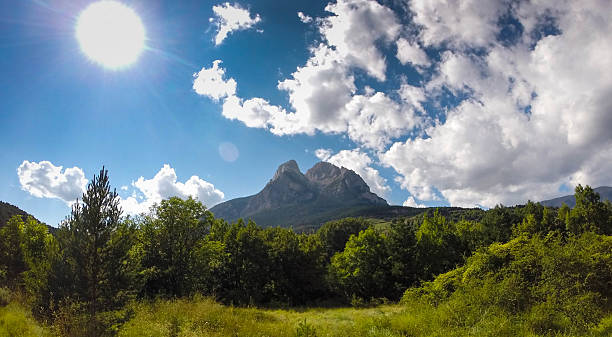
(96, 251)
(590, 214)
(335, 234)
(297, 266)
(40, 250)
(176, 253)
(12, 263)
(401, 242)
(362, 270)
(245, 274)
(439, 249)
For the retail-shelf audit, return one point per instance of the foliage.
(175, 252)
(335, 234)
(93, 267)
(12, 263)
(362, 269)
(558, 284)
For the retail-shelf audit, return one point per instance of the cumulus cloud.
(45, 180)
(408, 52)
(230, 18)
(458, 22)
(354, 30)
(537, 114)
(165, 185)
(319, 90)
(411, 202)
(359, 162)
(322, 95)
(209, 82)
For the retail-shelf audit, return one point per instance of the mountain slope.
(7, 211)
(292, 198)
(605, 193)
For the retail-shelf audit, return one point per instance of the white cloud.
(323, 154)
(45, 180)
(375, 120)
(322, 94)
(230, 18)
(165, 185)
(538, 114)
(319, 91)
(413, 96)
(408, 52)
(411, 202)
(354, 30)
(209, 82)
(304, 18)
(458, 22)
(359, 162)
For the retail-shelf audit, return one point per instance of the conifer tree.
(96, 246)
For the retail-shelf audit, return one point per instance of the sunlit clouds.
(45, 180)
(230, 18)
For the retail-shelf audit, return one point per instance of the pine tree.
(96, 246)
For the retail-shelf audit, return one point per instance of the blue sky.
(432, 103)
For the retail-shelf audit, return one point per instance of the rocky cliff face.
(323, 189)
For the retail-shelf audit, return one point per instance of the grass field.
(205, 317)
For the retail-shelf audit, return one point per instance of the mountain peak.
(291, 197)
(290, 166)
(323, 173)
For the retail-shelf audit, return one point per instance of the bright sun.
(110, 34)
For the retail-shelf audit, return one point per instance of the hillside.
(605, 193)
(7, 211)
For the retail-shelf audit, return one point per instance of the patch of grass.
(15, 320)
(202, 316)
(205, 317)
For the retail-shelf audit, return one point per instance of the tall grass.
(204, 317)
(201, 316)
(16, 320)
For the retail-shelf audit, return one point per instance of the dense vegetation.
(505, 271)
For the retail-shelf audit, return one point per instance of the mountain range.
(292, 198)
(605, 193)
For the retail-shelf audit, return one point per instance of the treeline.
(98, 260)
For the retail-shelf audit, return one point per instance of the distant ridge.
(292, 198)
(604, 192)
(7, 211)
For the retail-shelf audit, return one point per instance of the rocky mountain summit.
(293, 198)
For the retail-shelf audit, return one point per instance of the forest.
(179, 271)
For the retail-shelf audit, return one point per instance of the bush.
(553, 284)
